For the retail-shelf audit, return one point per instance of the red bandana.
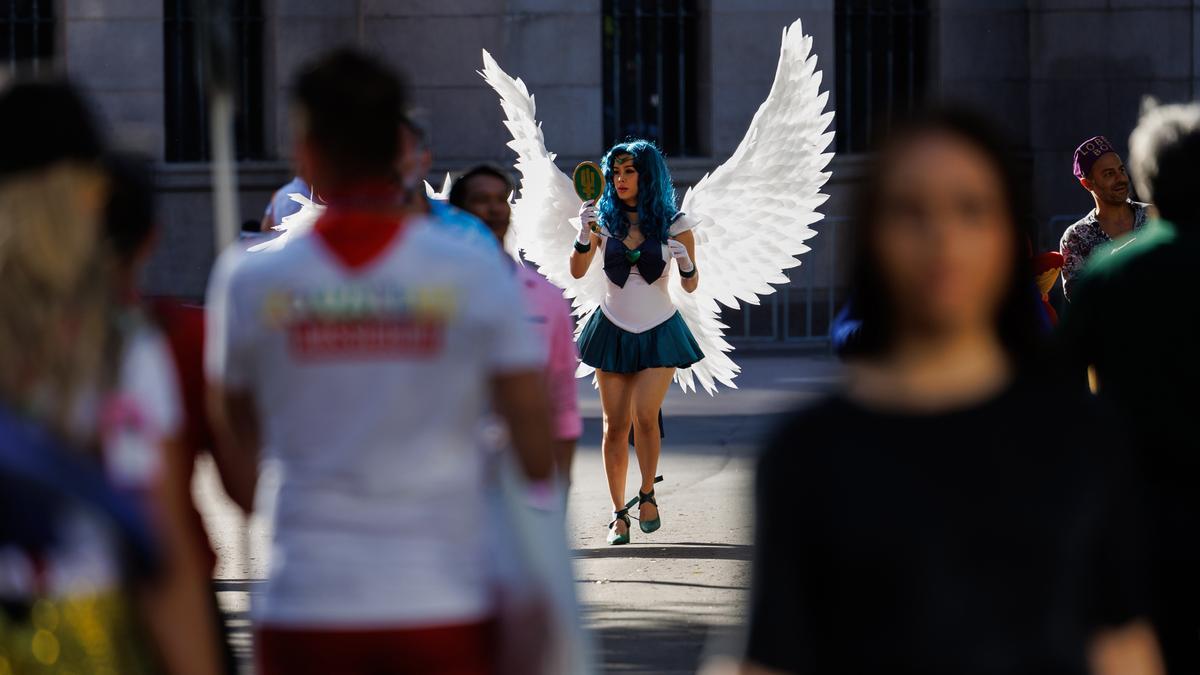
(357, 237)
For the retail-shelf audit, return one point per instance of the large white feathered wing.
(756, 210)
(545, 217)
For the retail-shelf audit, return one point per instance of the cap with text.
(1088, 153)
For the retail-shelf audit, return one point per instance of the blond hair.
(56, 334)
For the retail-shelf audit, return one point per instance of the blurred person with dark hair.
(1100, 171)
(131, 228)
(413, 160)
(1135, 320)
(412, 167)
(371, 347)
(97, 571)
(928, 518)
(483, 192)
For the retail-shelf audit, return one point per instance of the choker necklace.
(629, 209)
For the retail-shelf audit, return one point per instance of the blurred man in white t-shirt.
(371, 348)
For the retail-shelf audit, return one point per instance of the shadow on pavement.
(667, 648)
(676, 552)
(237, 585)
(666, 583)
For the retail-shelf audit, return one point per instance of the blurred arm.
(236, 450)
(178, 604)
(229, 363)
(1129, 650)
(1073, 261)
(520, 400)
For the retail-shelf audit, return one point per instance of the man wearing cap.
(1145, 369)
(1101, 172)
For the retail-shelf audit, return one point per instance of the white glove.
(587, 216)
(679, 252)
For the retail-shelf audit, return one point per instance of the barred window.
(185, 97)
(26, 33)
(650, 72)
(883, 51)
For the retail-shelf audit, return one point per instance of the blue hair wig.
(656, 194)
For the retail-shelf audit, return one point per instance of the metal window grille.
(186, 103)
(801, 311)
(650, 73)
(883, 51)
(26, 33)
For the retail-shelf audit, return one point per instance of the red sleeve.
(183, 325)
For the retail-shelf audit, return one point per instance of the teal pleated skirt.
(605, 346)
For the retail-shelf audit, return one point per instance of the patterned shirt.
(1083, 237)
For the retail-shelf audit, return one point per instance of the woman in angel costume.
(637, 338)
(645, 321)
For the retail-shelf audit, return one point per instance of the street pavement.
(661, 603)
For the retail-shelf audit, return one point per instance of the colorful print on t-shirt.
(356, 320)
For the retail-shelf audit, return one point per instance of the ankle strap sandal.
(649, 526)
(614, 538)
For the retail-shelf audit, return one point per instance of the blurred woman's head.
(940, 246)
(55, 277)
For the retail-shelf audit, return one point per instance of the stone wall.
(115, 47)
(1053, 71)
(1090, 64)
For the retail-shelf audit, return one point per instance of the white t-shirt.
(638, 306)
(141, 413)
(132, 422)
(370, 384)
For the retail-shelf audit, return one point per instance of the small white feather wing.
(440, 195)
(545, 215)
(756, 210)
(296, 225)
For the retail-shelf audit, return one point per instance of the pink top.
(548, 312)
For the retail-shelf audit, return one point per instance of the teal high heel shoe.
(649, 526)
(615, 539)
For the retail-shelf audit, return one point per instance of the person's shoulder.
(681, 223)
(538, 284)
(1076, 230)
(807, 425)
(1058, 413)
(439, 237)
(473, 264)
(146, 351)
(1144, 249)
(273, 260)
(455, 218)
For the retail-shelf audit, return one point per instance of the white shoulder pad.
(682, 223)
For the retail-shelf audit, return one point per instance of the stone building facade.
(1053, 71)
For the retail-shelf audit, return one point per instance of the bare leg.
(616, 391)
(649, 389)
